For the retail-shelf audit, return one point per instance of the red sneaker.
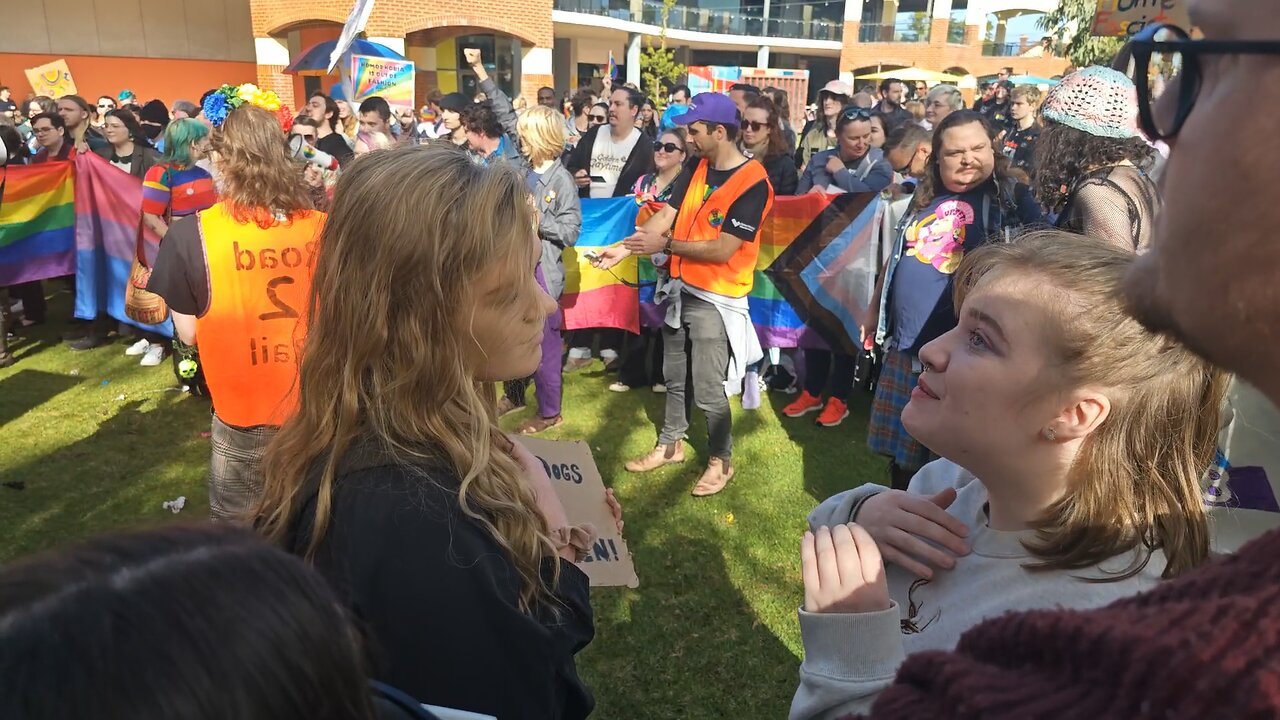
(834, 413)
(803, 405)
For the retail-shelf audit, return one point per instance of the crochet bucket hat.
(1096, 100)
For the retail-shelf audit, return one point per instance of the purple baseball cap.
(711, 108)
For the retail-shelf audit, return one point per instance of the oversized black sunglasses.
(1165, 55)
(597, 119)
(669, 148)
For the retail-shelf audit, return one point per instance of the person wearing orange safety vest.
(709, 230)
(236, 278)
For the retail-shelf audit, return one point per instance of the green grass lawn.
(100, 443)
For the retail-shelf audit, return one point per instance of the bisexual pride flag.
(108, 210)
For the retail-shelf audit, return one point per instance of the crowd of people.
(1053, 331)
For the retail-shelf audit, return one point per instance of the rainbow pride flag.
(612, 68)
(108, 209)
(602, 298)
(37, 222)
(813, 281)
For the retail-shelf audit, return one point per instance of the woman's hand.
(842, 571)
(615, 508)
(313, 176)
(543, 491)
(900, 523)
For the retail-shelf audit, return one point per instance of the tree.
(658, 67)
(1071, 25)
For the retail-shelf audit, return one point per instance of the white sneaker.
(154, 356)
(137, 348)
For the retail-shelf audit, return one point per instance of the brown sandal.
(533, 426)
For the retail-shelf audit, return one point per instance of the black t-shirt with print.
(1020, 147)
(742, 219)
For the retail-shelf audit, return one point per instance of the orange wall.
(148, 78)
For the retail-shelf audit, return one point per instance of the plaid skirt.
(235, 470)
(885, 434)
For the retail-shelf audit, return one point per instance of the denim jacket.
(996, 213)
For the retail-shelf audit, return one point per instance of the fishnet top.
(1117, 204)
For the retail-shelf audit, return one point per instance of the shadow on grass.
(118, 476)
(26, 390)
(837, 458)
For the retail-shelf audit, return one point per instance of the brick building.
(178, 49)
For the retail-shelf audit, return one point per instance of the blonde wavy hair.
(258, 181)
(1136, 482)
(541, 132)
(385, 357)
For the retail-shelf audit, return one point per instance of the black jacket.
(782, 173)
(143, 158)
(639, 163)
(437, 596)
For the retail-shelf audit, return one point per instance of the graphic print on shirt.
(938, 239)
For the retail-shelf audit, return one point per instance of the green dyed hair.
(179, 137)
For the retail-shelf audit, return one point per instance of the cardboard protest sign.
(1123, 18)
(578, 483)
(390, 79)
(52, 79)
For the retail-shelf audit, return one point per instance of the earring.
(1050, 434)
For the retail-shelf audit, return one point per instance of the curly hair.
(931, 184)
(258, 178)
(1065, 155)
(480, 118)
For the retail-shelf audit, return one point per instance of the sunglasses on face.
(669, 148)
(106, 106)
(755, 126)
(1167, 53)
(599, 119)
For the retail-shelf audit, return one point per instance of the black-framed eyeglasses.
(669, 148)
(598, 119)
(850, 114)
(1163, 59)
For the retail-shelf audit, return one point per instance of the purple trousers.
(547, 377)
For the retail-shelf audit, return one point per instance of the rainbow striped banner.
(822, 241)
(37, 222)
(602, 298)
(108, 209)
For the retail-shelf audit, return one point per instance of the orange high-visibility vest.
(259, 281)
(700, 219)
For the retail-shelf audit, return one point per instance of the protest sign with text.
(1124, 18)
(581, 489)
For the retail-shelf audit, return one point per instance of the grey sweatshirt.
(850, 658)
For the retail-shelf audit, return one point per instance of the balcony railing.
(909, 30)
(991, 49)
(721, 22)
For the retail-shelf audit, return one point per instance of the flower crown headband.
(219, 104)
